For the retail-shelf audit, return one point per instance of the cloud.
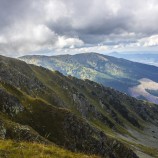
(19, 40)
(64, 42)
(72, 25)
(149, 41)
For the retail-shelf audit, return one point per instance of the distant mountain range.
(135, 79)
(47, 108)
(146, 58)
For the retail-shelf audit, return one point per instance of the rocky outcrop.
(20, 132)
(9, 104)
(85, 138)
(2, 130)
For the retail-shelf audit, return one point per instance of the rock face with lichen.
(89, 139)
(9, 104)
(2, 131)
(44, 106)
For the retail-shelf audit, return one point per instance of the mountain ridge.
(120, 74)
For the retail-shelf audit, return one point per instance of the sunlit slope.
(118, 73)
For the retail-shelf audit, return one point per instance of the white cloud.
(26, 37)
(149, 41)
(21, 39)
(3, 40)
(64, 42)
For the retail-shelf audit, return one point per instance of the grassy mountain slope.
(120, 74)
(12, 149)
(40, 105)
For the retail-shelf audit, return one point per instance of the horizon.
(112, 54)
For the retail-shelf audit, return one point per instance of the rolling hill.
(120, 74)
(47, 108)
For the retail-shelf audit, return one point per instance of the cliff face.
(44, 106)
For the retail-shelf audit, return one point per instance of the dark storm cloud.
(30, 25)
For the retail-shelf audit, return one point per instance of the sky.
(77, 26)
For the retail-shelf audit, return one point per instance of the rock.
(9, 104)
(2, 131)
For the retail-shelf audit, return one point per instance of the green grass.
(12, 149)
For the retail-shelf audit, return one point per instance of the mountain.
(133, 78)
(141, 57)
(47, 108)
